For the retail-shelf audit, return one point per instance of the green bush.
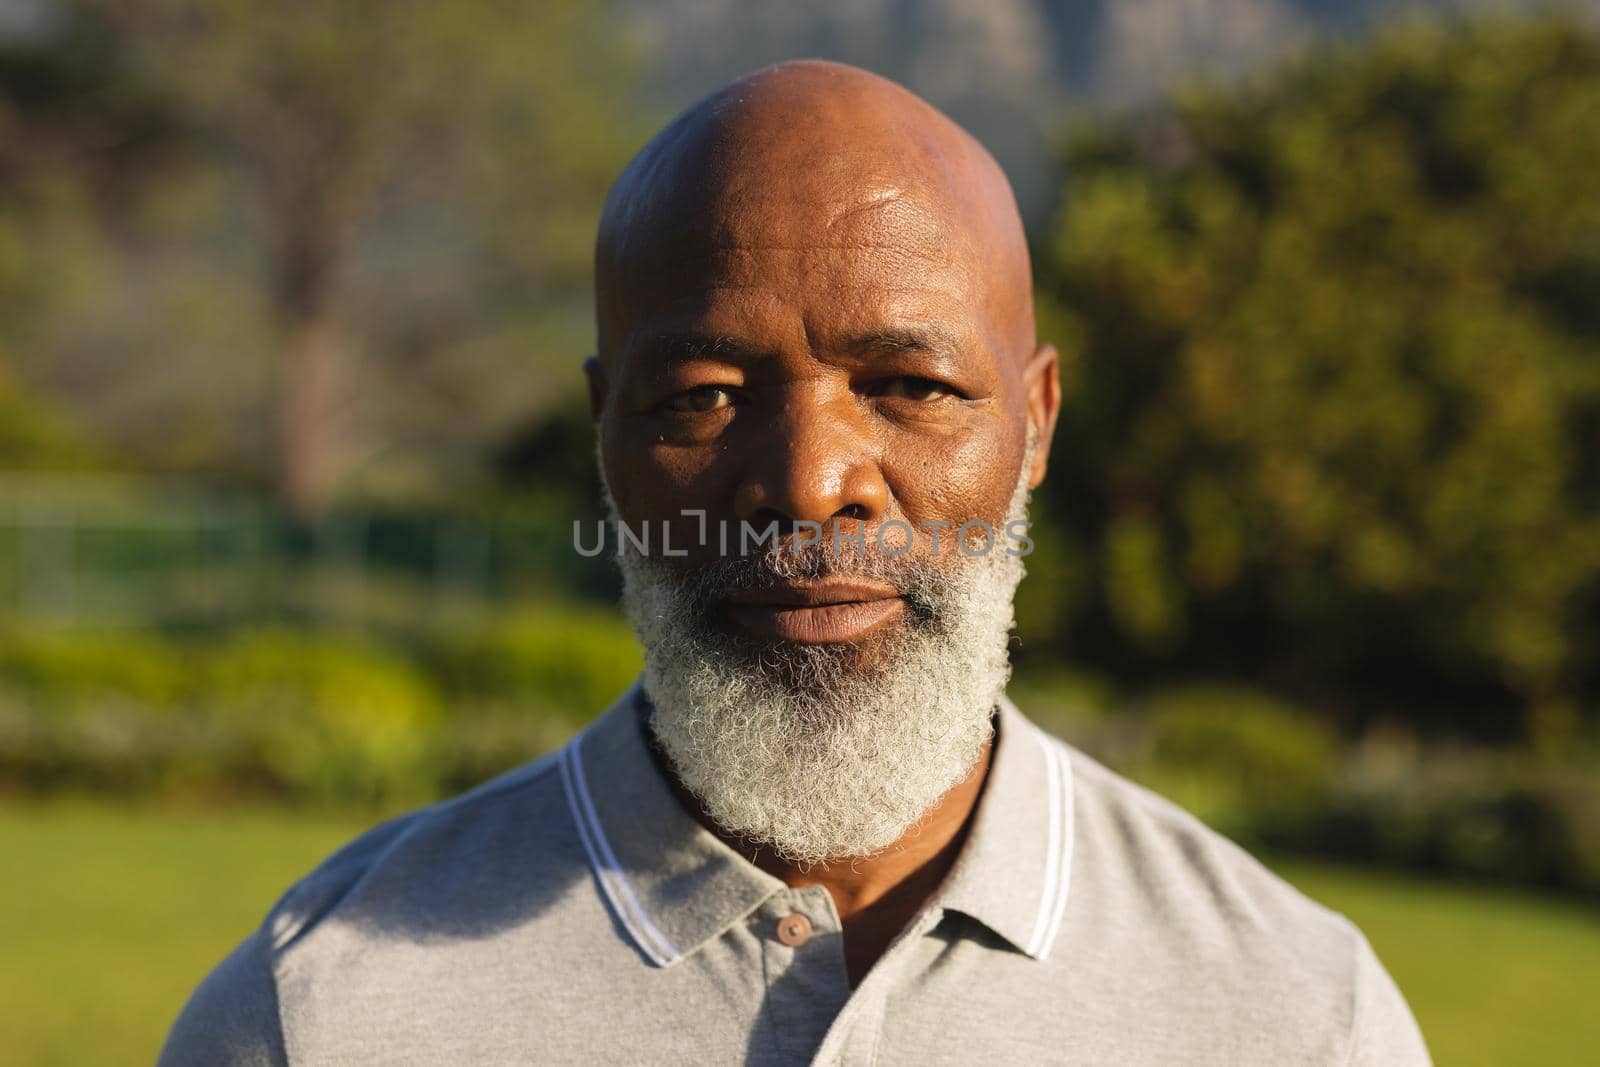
(33, 435)
(1497, 816)
(1080, 708)
(1248, 763)
(1064, 701)
(1332, 337)
(60, 668)
(322, 718)
(483, 739)
(307, 715)
(91, 710)
(567, 661)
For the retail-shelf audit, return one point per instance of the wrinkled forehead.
(868, 252)
(771, 207)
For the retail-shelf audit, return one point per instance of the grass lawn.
(109, 917)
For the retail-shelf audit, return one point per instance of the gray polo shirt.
(573, 912)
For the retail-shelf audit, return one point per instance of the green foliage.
(311, 716)
(1243, 761)
(392, 203)
(1494, 816)
(1064, 701)
(32, 436)
(62, 667)
(314, 717)
(1335, 368)
(324, 719)
(573, 663)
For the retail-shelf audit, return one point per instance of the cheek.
(954, 480)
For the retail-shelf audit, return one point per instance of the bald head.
(815, 156)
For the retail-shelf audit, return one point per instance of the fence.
(110, 551)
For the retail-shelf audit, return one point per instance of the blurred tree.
(1335, 417)
(510, 113)
(32, 436)
(73, 132)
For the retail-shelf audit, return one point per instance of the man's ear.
(1042, 384)
(597, 386)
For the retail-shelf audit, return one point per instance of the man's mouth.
(826, 612)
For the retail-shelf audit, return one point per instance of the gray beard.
(826, 752)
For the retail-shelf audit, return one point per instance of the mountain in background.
(1010, 69)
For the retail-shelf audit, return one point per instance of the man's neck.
(876, 896)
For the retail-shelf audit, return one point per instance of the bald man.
(816, 831)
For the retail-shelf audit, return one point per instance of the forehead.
(878, 257)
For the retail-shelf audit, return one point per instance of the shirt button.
(794, 930)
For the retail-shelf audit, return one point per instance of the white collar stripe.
(613, 866)
(603, 860)
(1047, 899)
(669, 952)
(1064, 759)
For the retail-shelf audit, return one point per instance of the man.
(817, 831)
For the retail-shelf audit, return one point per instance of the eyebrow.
(929, 339)
(682, 347)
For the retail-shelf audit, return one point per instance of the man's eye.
(914, 389)
(699, 399)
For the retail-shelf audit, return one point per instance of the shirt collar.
(1015, 870)
(673, 886)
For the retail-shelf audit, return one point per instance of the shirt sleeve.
(231, 1020)
(1386, 1033)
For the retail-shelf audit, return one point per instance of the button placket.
(858, 1028)
(804, 962)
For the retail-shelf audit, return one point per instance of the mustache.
(921, 581)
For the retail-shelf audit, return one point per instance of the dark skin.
(815, 303)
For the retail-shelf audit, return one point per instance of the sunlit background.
(293, 299)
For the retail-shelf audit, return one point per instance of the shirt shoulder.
(399, 864)
(425, 867)
(1153, 881)
(231, 1019)
(1173, 860)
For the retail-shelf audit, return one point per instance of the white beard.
(803, 748)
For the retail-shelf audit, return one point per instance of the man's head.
(815, 310)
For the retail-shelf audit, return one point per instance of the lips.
(815, 613)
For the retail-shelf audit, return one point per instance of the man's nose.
(815, 463)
